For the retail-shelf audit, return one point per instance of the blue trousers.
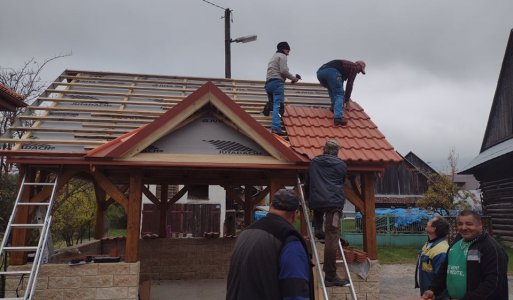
(276, 88)
(331, 79)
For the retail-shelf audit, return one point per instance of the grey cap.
(331, 147)
(286, 200)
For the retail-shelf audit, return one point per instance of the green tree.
(74, 213)
(8, 190)
(443, 195)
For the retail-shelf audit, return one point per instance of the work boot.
(340, 121)
(319, 234)
(335, 281)
(280, 133)
(267, 109)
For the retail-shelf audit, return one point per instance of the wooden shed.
(403, 184)
(493, 166)
(128, 131)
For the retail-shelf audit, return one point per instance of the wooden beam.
(369, 234)
(275, 185)
(231, 194)
(46, 192)
(163, 210)
(354, 198)
(100, 209)
(134, 217)
(110, 189)
(177, 196)
(248, 206)
(19, 235)
(151, 197)
(259, 199)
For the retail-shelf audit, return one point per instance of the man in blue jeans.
(277, 73)
(332, 75)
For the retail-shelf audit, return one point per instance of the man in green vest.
(476, 264)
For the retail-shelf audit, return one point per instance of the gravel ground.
(397, 282)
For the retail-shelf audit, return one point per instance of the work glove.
(298, 76)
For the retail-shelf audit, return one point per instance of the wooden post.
(134, 217)
(19, 235)
(248, 206)
(163, 210)
(369, 234)
(275, 185)
(100, 209)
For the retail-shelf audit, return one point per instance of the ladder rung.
(25, 248)
(34, 203)
(14, 273)
(38, 225)
(39, 183)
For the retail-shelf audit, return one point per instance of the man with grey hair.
(324, 188)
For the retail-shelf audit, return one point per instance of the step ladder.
(43, 229)
(314, 247)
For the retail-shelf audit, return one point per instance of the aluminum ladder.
(43, 229)
(314, 247)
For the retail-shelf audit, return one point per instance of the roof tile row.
(309, 127)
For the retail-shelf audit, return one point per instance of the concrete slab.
(214, 289)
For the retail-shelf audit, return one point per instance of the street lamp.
(228, 41)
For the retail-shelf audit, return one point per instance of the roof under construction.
(83, 112)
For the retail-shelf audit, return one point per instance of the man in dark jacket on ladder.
(324, 188)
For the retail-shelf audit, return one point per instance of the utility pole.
(227, 45)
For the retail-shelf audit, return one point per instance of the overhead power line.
(213, 4)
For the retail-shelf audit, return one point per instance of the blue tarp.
(402, 216)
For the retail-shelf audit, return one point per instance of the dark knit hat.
(283, 46)
(286, 200)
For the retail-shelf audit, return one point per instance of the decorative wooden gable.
(207, 127)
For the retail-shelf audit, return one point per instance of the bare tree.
(453, 162)
(27, 82)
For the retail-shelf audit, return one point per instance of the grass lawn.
(113, 232)
(397, 255)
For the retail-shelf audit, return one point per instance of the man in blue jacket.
(432, 255)
(324, 186)
(270, 258)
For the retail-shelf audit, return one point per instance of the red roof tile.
(309, 127)
(9, 99)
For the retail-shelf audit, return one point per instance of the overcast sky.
(432, 65)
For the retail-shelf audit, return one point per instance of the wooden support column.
(100, 212)
(369, 234)
(19, 235)
(275, 186)
(248, 206)
(134, 217)
(163, 210)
